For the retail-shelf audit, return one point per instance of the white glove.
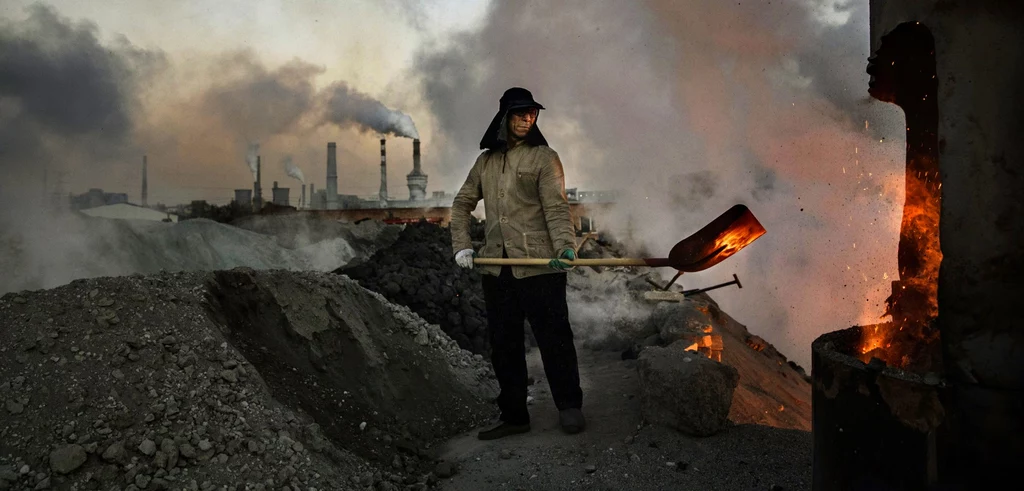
(464, 258)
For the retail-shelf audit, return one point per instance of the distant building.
(128, 211)
(96, 197)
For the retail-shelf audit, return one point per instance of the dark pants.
(541, 299)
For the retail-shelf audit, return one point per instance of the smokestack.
(302, 201)
(332, 176)
(383, 174)
(257, 191)
(145, 186)
(417, 180)
(312, 197)
(416, 156)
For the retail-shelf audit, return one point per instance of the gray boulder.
(684, 390)
(680, 320)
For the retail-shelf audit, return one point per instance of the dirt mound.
(608, 313)
(419, 271)
(301, 230)
(66, 247)
(203, 380)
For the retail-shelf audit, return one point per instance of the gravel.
(155, 382)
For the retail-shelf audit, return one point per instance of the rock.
(590, 469)
(170, 449)
(14, 407)
(445, 469)
(680, 320)
(66, 459)
(7, 473)
(685, 391)
(114, 452)
(422, 337)
(147, 447)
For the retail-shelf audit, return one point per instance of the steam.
(687, 108)
(251, 156)
(293, 170)
(345, 106)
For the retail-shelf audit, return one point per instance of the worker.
(521, 181)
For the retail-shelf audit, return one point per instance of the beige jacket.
(527, 212)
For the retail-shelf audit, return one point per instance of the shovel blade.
(723, 237)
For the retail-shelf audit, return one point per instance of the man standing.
(522, 184)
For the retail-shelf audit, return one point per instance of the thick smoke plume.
(62, 91)
(345, 106)
(252, 158)
(686, 108)
(292, 170)
(67, 102)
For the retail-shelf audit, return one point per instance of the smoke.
(252, 158)
(345, 106)
(61, 90)
(293, 170)
(67, 102)
(686, 108)
(78, 110)
(257, 102)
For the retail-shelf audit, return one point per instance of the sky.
(684, 107)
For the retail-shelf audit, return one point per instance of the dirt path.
(618, 452)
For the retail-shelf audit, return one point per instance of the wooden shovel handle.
(609, 261)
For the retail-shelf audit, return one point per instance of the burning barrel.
(874, 424)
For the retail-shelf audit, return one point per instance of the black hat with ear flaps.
(514, 98)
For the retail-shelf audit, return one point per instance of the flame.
(913, 304)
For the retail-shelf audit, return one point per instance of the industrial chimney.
(302, 201)
(416, 179)
(383, 175)
(257, 192)
(332, 176)
(145, 186)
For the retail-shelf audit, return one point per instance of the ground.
(617, 451)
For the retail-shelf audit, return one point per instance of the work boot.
(571, 420)
(503, 429)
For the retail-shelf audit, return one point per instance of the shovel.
(723, 237)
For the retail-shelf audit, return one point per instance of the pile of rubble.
(418, 270)
(239, 378)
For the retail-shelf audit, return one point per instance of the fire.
(909, 341)
(913, 305)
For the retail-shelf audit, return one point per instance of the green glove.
(562, 266)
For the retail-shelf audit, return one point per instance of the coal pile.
(233, 379)
(419, 271)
